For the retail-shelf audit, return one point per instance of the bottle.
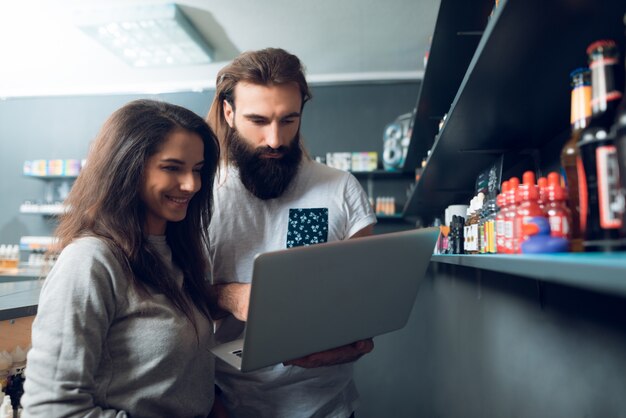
(490, 211)
(466, 227)
(480, 223)
(527, 198)
(469, 227)
(501, 202)
(570, 154)
(542, 184)
(619, 133)
(601, 206)
(6, 409)
(559, 215)
(509, 216)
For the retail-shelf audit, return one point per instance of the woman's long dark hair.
(105, 201)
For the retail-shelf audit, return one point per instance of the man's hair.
(266, 67)
(105, 200)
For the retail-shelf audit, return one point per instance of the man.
(270, 196)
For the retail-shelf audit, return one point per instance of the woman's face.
(171, 178)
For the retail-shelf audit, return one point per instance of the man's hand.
(234, 298)
(345, 354)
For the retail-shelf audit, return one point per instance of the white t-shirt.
(321, 204)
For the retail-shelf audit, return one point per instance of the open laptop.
(309, 299)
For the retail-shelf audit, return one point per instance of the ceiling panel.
(42, 52)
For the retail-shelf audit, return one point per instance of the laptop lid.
(309, 299)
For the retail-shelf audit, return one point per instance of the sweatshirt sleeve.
(76, 308)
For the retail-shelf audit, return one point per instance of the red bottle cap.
(600, 44)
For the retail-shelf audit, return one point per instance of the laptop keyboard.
(238, 353)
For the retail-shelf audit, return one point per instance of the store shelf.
(31, 176)
(514, 97)
(457, 32)
(395, 217)
(595, 271)
(382, 174)
(19, 298)
(24, 273)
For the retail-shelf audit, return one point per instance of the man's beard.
(266, 178)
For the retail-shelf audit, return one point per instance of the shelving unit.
(19, 298)
(381, 176)
(507, 93)
(594, 271)
(457, 32)
(514, 97)
(49, 208)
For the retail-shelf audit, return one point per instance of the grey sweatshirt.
(100, 349)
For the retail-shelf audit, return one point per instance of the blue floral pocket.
(307, 227)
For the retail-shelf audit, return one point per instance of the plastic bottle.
(6, 409)
(527, 198)
(490, 211)
(501, 207)
(468, 231)
(509, 216)
(559, 215)
(542, 184)
(480, 223)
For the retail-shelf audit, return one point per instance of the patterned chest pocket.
(307, 227)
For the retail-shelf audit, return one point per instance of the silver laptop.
(309, 299)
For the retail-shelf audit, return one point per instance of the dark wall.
(339, 118)
(483, 344)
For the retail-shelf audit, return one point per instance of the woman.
(123, 325)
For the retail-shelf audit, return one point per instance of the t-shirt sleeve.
(76, 308)
(357, 206)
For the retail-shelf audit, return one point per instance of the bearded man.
(270, 195)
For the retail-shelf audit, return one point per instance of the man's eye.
(288, 121)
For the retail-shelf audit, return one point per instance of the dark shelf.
(515, 95)
(391, 218)
(595, 271)
(457, 33)
(382, 174)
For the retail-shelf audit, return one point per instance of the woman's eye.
(170, 168)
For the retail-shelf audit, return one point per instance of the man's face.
(264, 140)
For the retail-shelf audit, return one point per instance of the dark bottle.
(579, 118)
(619, 132)
(598, 175)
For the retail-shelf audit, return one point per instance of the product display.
(601, 203)
(570, 154)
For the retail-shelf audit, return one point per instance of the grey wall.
(339, 118)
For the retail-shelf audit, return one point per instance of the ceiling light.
(147, 36)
